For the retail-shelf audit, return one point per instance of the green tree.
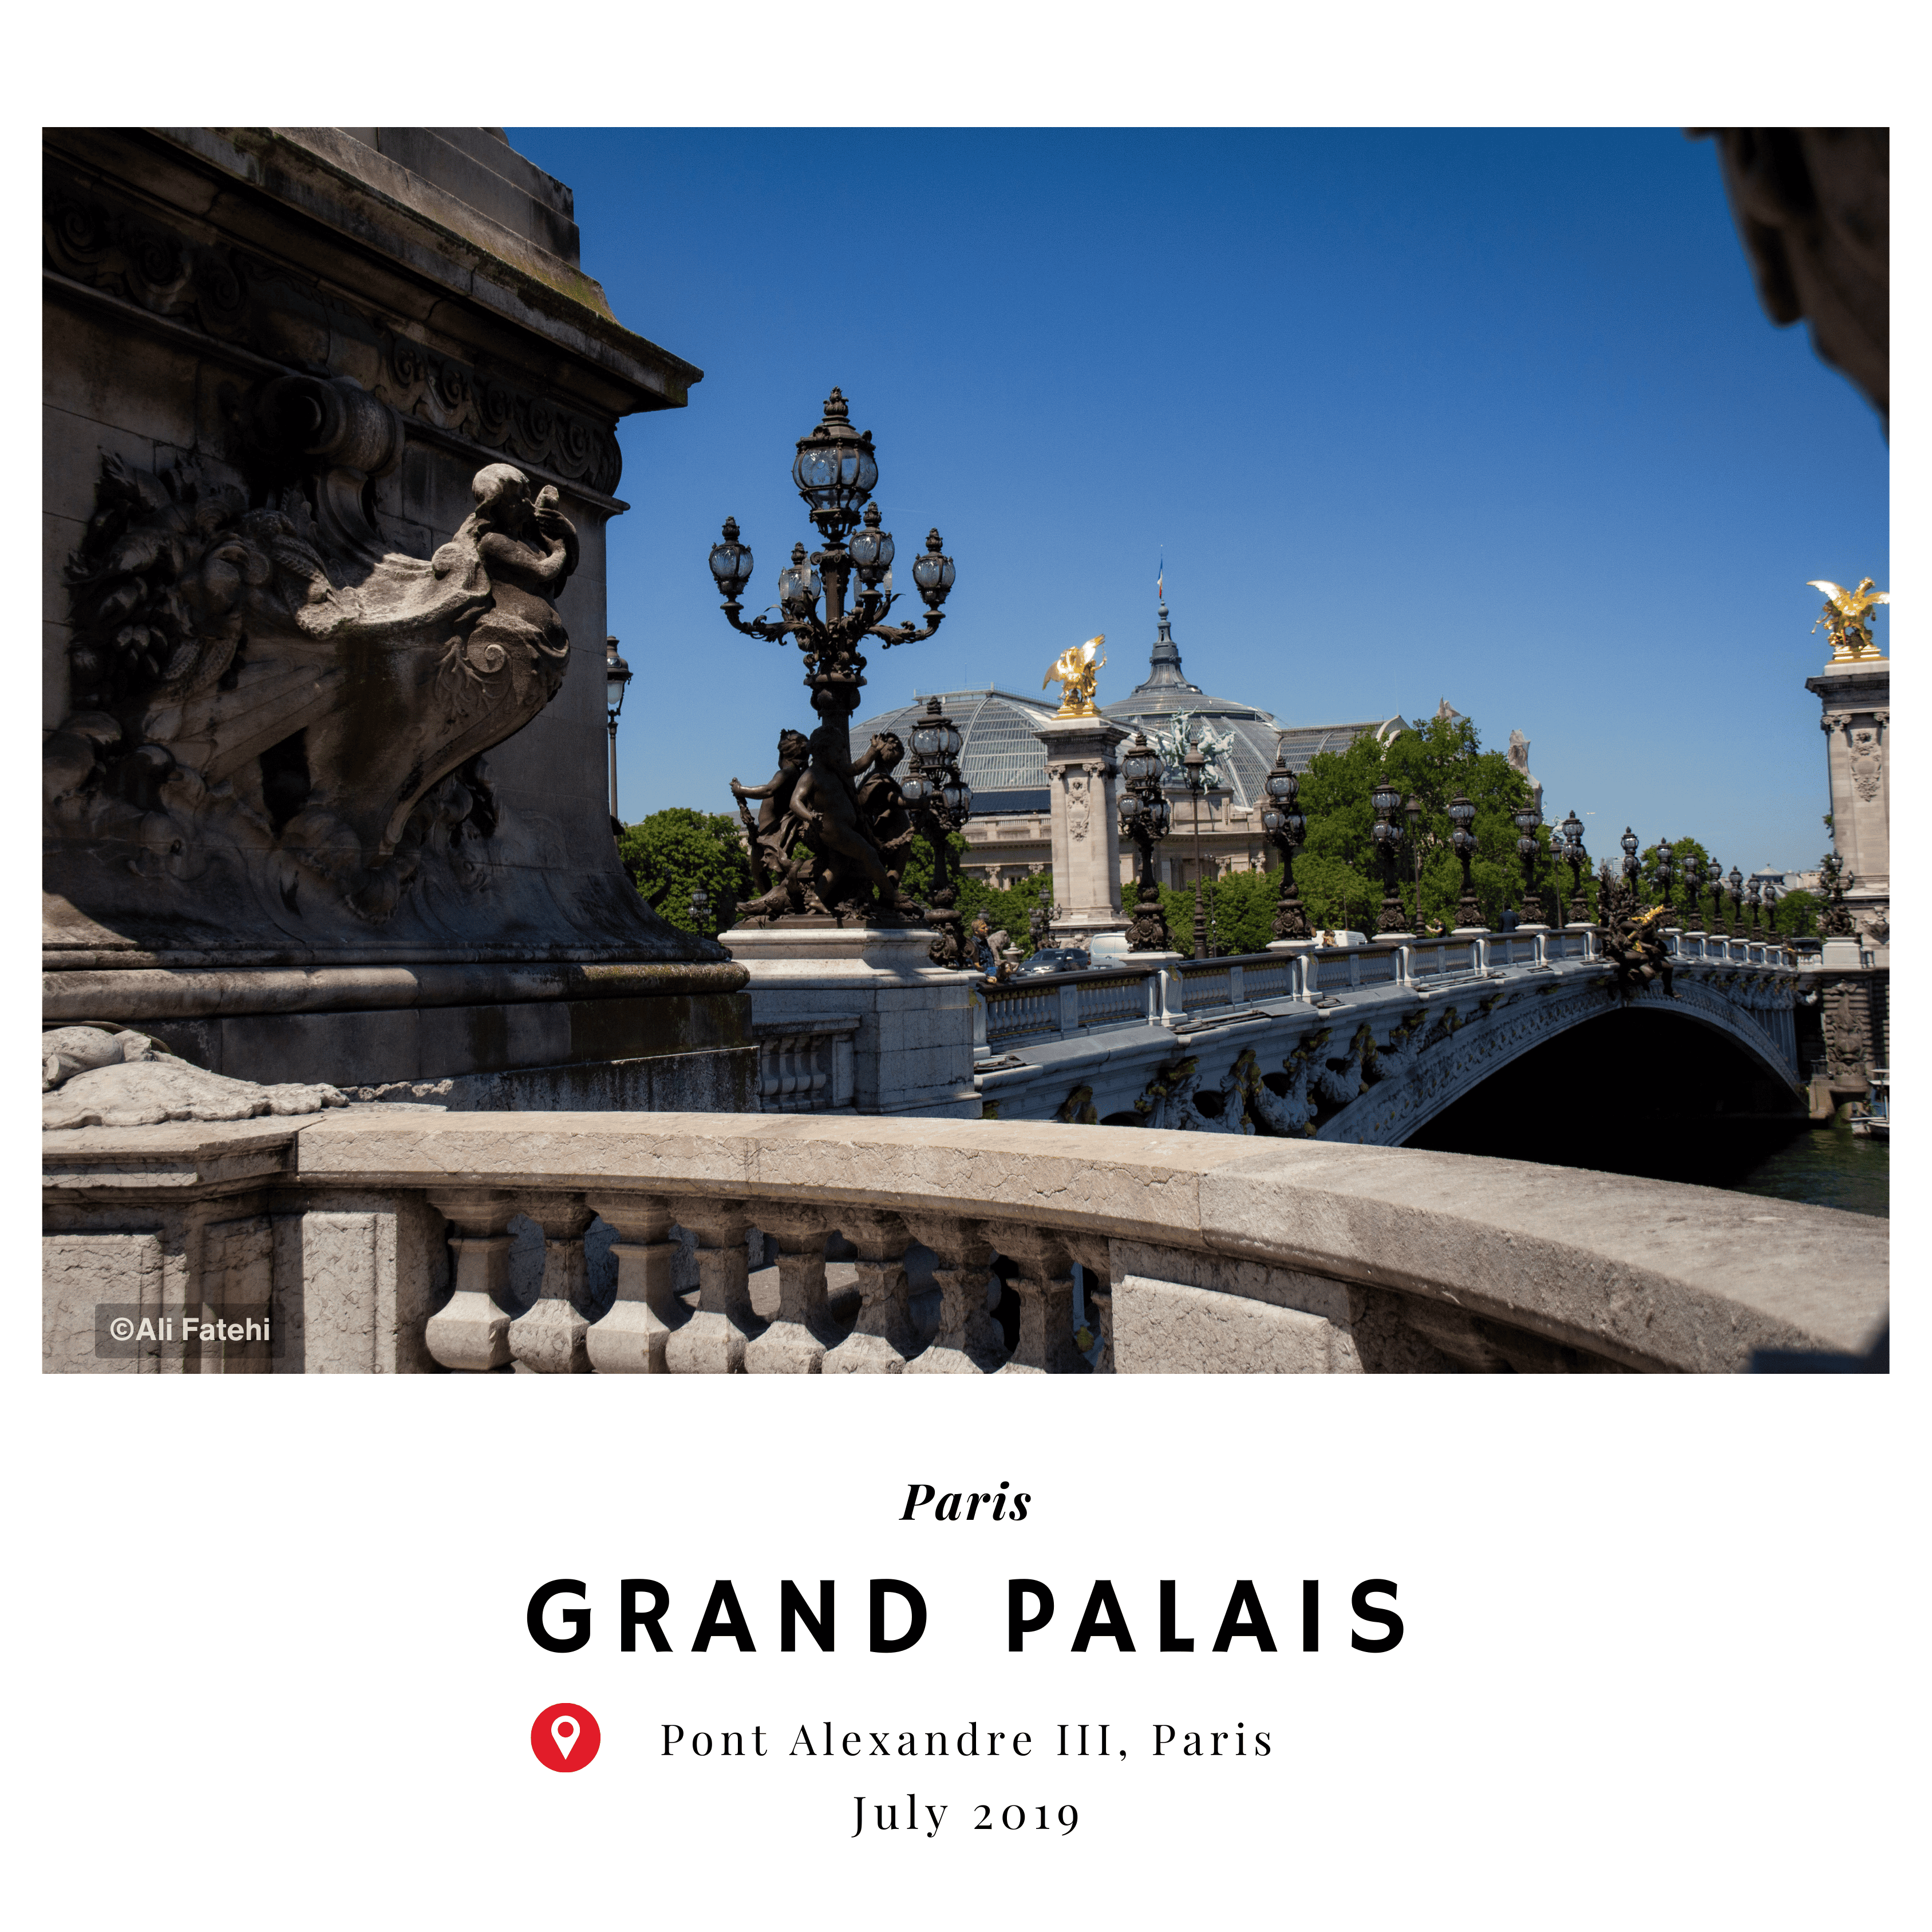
(1008, 907)
(1798, 914)
(673, 850)
(1337, 871)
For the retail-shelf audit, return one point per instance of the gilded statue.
(1076, 670)
(1847, 617)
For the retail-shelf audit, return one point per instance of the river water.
(1829, 1167)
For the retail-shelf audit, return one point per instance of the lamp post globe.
(1286, 828)
(617, 674)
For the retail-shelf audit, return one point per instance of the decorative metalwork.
(1836, 921)
(1075, 671)
(1573, 855)
(1286, 828)
(1736, 883)
(850, 816)
(1145, 817)
(1664, 865)
(1847, 619)
(1387, 800)
(1462, 817)
(1526, 820)
(940, 802)
(617, 674)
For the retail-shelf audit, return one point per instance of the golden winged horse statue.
(1847, 616)
(1076, 669)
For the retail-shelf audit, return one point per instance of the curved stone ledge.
(1645, 1274)
(140, 993)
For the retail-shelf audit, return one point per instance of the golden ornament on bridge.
(1847, 616)
(1077, 670)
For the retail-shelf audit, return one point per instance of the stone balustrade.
(387, 1239)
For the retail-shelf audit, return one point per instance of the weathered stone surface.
(358, 440)
(79, 1273)
(148, 1092)
(1647, 1273)
(1166, 1327)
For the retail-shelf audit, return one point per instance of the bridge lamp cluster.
(1527, 819)
(1286, 827)
(1462, 839)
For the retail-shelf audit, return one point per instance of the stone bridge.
(1363, 1044)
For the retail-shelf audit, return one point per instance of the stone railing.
(1064, 1005)
(389, 1238)
(805, 1065)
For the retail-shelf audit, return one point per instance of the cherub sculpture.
(1076, 670)
(771, 836)
(1846, 617)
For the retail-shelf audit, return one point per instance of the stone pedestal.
(1081, 769)
(356, 829)
(912, 1047)
(1856, 699)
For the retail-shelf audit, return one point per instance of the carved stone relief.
(1867, 762)
(253, 674)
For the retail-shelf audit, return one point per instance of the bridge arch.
(1752, 1015)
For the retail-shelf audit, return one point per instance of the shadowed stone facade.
(330, 447)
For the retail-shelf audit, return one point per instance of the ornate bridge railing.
(387, 1239)
(1363, 1043)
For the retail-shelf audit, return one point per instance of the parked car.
(1052, 959)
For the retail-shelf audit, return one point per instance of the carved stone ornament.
(1867, 762)
(101, 1077)
(1079, 812)
(1844, 1035)
(256, 676)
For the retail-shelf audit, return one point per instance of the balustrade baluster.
(548, 1337)
(969, 1341)
(1097, 1290)
(1045, 1289)
(471, 1331)
(882, 1338)
(630, 1339)
(713, 1342)
(795, 1344)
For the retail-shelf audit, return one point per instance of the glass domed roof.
(1000, 758)
(1006, 764)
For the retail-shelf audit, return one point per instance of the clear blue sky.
(1489, 416)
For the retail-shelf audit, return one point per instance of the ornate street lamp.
(1736, 883)
(1713, 883)
(616, 675)
(701, 910)
(1526, 821)
(1575, 858)
(1413, 810)
(835, 471)
(1286, 829)
(1461, 816)
(1629, 842)
(1194, 765)
(1386, 800)
(1145, 818)
(1772, 896)
(1666, 877)
(1752, 898)
(940, 800)
(1693, 874)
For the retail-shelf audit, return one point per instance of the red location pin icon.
(564, 1737)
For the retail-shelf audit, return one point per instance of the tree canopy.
(672, 851)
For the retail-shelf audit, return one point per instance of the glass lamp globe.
(871, 547)
(1140, 764)
(933, 572)
(834, 468)
(731, 562)
(1461, 811)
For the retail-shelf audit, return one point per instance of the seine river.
(1829, 1167)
